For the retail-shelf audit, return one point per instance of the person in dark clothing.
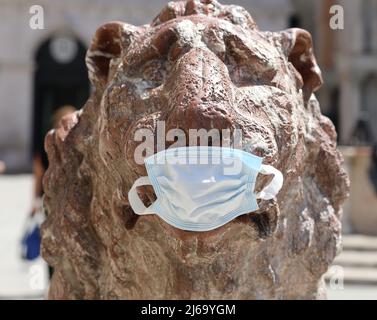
(373, 167)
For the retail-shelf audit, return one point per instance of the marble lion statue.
(198, 64)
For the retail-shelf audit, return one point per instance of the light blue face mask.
(203, 188)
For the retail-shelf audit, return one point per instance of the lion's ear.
(107, 44)
(298, 46)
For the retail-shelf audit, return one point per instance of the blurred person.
(2, 166)
(362, 134)
(373, 167)
(40, 165)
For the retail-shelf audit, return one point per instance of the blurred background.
(44, 69)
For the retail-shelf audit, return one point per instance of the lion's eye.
(249, 73)
(154, 71)
(247, 65)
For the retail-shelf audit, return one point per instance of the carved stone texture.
(199, 64)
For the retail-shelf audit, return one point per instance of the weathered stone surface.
(197, 65)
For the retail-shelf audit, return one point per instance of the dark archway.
(294, 21)
(60, 78)
(333, 114)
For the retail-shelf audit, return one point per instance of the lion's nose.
(200, 90)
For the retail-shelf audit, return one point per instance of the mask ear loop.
(271, 190)
(133, 197)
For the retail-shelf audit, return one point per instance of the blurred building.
(348, 59)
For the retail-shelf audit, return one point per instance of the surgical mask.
(203, 188)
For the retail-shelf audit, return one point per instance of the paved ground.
(20, 280)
